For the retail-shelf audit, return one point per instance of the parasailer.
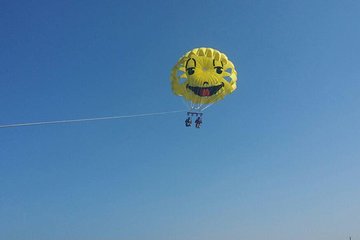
(198, 122)
(202, 77)
(188, 122)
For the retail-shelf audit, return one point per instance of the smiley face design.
(203, 76)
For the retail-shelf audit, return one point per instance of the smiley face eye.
(190, 70)
(219, 70)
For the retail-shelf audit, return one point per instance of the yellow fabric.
(203, 76)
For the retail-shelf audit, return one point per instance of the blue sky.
(277, 159)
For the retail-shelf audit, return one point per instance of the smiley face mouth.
(205, 91)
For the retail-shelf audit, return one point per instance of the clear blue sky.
(278, 159)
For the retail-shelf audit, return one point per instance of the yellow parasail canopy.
(203, 76)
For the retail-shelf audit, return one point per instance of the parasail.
(202, 77)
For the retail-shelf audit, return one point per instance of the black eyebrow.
(188, 62)
(220, 62)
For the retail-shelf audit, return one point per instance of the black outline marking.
(188, 62)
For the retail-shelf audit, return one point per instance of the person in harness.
(198, 122)
(188, 122)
